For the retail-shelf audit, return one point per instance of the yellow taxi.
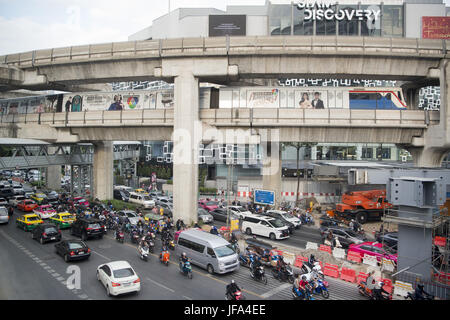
(141, 191)
(28, 222)
(63, 220)
(38, 197)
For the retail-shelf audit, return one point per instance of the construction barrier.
(331, 270)
(311, 245)
(325, 248)
(370, 260)
(362, 277)
(339, 253)
(354, 256)
(299, 261)
(442, 277)
(402, 288)
(440, 241)
(388, 265)
(348, 275)
(289, 257)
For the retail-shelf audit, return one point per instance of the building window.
(326, 27)
(371, 28)
(367, 153)
(392, 21)
(280, 20)
(302, 27)
(383, 153)
(348, 27)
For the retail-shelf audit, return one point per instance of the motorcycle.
(259, 274)
(151, 245)
(364, 291)
(304, 295)
(164, 257)
(321, 288)
(143, 252)
(312, 272)
(186, 269)
(411, 295)
(135, 237)
(245, 261)
(120, 236)
(286, 274)
(235, 296)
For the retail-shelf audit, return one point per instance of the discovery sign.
(264, 197)
(315, 10)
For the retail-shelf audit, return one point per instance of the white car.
(15, 200)
(240, 211)
(283, 215)
(118, 277)
(3, 202)
(264, 226)
(4, 217)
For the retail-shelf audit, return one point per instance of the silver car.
(4, 218)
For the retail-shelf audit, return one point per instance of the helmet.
(184, 254)
(420, 285)
(381, 283)
(232, 281)
(304, 278)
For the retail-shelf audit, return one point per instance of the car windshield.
(240, 209)
(3, 212)
(211, 203)
(123, 273)
(351, 233)
(75, 245)
(146, 198)
(224, 251)
(33, 218)
(81, 200)
(287, 215)
(50, 229)
(202, 212)
(68, 217)
(276, 223)
(94, 225)
(131, 214)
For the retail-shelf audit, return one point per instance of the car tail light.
(114, 284)
(88, 250)
(72, 253)
(88, 228)
(44, 234)
(137, 280)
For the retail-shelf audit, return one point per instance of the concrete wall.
(414, 14)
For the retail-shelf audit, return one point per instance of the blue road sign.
(264, 197)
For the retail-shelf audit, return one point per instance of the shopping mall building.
(370, 18)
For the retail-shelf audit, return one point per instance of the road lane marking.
(187, 298)
(101, 255)
(275, 290)
(161, 285)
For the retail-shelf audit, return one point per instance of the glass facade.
(285, 19)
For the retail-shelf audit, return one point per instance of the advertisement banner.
(436, 27)
(264, 197)
(231, 25)
(263, 98)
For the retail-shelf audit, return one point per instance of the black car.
(7, 193)
(221, 215)
(121, 195)
(88, 228)
(346, 236)
(73, 250)
(46, 232)
(388, 238)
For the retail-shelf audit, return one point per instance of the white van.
(265, 226)
(142, 200)
(207, 251)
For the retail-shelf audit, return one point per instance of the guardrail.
(235, 117)
(265, 45)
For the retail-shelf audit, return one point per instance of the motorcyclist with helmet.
(420, 293)
(214, 231)
(300, 286)
(281, 265)
(254, 265)
(184, 258)
(232, 288)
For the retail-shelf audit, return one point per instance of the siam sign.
(326, 11)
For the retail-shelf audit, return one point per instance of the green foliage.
(204, 190)
(162, 171)
(120, 205)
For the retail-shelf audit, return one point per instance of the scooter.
(321, 288)
(151, 245)
(364, 291)
(143, 252)
(245, 261)
(171, 245)
(135, 237)
(120, 236)
(286, 274)
(259, 274)
(186, 269)
(412, 296)
(235, 296)
(164, 257)
(306, 295)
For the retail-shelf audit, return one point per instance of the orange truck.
(363, 205)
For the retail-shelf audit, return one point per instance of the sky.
(27, 25)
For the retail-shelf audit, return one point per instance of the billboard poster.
(308, 99)
(267, 98)
(231, 25)
(436, 27)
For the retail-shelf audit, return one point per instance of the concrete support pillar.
(314, 153)
(103, 170)
(185, 148)
(53, 176)
(271, 171)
